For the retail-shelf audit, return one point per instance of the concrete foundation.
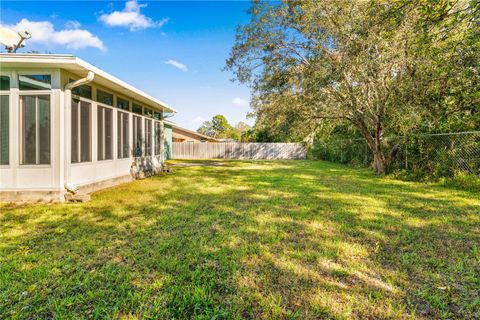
(49, 196)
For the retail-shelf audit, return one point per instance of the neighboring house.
(64, 122)
(180, 134)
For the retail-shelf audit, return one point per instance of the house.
(66, 124)
(180, 134)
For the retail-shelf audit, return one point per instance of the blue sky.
(174, 50)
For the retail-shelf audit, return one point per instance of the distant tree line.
(220, 128)
(367, 69)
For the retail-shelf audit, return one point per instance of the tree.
(219, 128)
(374, 64)
(207, 129)
(242, 126)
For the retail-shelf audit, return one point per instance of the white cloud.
(73, 24)
(131, 17)
(199, 120)
(240, 102)
(72, 37)
(177, 65)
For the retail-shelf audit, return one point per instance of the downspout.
(89, 78)
(68, 116)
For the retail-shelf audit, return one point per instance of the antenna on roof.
(13, 40)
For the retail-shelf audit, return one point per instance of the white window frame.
(114, 100)
(103, 107)
(116, 97)
(79, 144)
(9, 95)
(134, 135)
(148, 137)
(156, 137)
(34, 73)
(15, 81)
(20, 127)
(120, 131)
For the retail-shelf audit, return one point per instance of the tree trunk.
(378, 156)
(379, 162)
(374, 143)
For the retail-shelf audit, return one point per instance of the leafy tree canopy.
(219, 128)
(382, 67)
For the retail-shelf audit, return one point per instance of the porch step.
(77, 197)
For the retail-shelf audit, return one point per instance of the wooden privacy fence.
(239, 150)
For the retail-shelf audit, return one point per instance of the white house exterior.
(64, 122)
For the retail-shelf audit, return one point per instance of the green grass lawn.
(264, 240)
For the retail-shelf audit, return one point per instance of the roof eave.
(62, 60)
(190, 131)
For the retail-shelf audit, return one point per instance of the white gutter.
(68, 129)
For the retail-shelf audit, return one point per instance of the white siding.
(52, 177)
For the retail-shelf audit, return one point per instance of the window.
(81, 131)
(158, 140)
(35, 129)
(35, 82)
(122, 135)
(137, 136)
(104, 133)
(4, 83)
(82, 91)
(4, 130)
(122, 104)
(148, 137)
(136, 108)
(156, 115)
(148, 112)
(104, 97)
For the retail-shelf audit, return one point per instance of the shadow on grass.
(286, 239)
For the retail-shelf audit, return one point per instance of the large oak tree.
(382, 66)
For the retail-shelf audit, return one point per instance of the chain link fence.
(436, 155)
